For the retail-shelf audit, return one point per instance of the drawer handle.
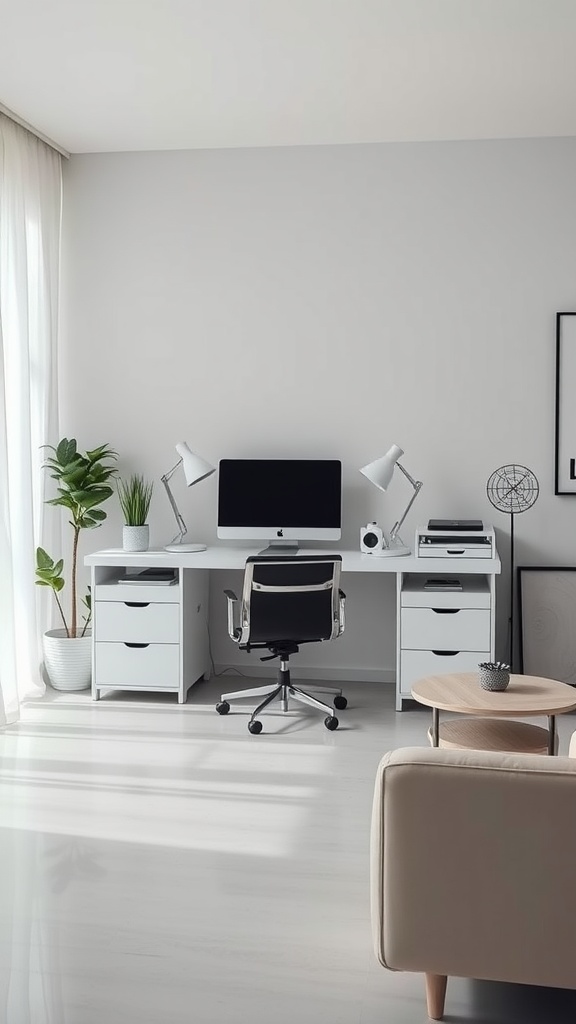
(136, 604)
(445, 654)
(446, 611)
(135, 645)
(455, 551)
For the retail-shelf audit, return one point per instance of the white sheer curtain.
(30, 216)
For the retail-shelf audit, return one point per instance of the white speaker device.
(371, 539)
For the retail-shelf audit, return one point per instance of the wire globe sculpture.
(512, 488)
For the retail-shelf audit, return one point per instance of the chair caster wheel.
(340, 702)
(331, 723)
(255, 728)
(223, 707)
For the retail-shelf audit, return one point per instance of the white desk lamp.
(195, 469)
(380, 473)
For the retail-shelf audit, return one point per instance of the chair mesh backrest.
(290, 611)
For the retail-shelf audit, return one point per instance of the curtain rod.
(34, 131)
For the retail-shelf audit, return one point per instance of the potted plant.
(82, 488)
(135, 495)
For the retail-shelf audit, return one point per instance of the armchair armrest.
(233, 628)
(472, 860)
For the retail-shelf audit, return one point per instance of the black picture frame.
(565, 431)
(546, 616)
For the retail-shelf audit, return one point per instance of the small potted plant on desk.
(82, 488)
(135, 496)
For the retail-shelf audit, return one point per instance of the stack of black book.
(455, 525)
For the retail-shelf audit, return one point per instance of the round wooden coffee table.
(526, 696)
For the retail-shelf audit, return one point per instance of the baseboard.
(325, 675)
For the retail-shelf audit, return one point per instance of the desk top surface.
(227, 557)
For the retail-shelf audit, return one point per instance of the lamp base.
(184, 547)
(392, 552)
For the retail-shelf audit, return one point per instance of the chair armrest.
(472, 865)
(341, 612)
(233, 629)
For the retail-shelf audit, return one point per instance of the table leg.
(551, 734)
(435, 726)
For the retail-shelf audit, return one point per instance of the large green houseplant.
(82, 487)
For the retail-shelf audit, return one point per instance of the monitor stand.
(281, 547)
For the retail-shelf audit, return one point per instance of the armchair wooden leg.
(436, 995)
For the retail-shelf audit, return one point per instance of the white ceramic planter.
(68, 660)
(136, 538)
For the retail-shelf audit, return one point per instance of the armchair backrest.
(291, 598)
(473, 857)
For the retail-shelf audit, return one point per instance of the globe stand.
(512, 595)
(512, 489)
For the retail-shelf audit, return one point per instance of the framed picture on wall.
(565, 467)
(547, 613)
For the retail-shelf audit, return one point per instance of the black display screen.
(291, 493)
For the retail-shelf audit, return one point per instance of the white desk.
(155, 637)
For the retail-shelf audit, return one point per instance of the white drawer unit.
(149, 636)
(137, 622)
(442, 630)
(137, 666)
(453, 629)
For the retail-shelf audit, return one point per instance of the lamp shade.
(194, 467)
(381, 471)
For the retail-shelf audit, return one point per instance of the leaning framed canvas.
(547, 613)
(565, 466)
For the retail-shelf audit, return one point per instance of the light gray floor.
(160, 865)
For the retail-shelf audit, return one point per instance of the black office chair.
(287, 601)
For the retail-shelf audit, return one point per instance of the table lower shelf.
(492, 734)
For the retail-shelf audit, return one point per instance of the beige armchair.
(473, 867)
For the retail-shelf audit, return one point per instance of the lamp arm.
(182, 528)
(171, 472)
(417, 484)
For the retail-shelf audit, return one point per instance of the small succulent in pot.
(494, 675)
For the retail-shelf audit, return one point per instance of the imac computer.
(283, 501)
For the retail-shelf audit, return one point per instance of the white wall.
(325, 301)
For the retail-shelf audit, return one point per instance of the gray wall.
(325, 301)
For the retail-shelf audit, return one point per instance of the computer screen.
(290, 499)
